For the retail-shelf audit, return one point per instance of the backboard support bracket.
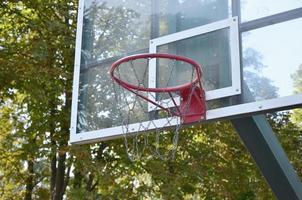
(260, 140)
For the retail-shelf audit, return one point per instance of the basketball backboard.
(207, 31)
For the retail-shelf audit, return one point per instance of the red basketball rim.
(155, 55)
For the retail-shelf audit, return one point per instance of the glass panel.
(103, 104)
(253, 9)
(178, 15)
(272, 64)
(211, 51)
(272, 59)
(115, 28)
(118, 27)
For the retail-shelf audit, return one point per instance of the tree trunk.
(29, 181)
(89, 185)
(53, 169)
(53, 149)
(63, 143)
(78, 177)
(59, 189)
(67, 176)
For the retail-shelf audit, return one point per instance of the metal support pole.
(261, 142)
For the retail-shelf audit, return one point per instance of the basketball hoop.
(192, 106)
(187, 100)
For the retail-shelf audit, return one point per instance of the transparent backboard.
(237, 80)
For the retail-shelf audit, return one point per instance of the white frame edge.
(214, 114)
(232, 24)
(76, 76)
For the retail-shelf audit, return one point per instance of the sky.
(280, 44)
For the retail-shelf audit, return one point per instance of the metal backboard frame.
(235, 111)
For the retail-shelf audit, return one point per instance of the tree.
(297, 79)
(36, 58)
(37, 48)
(261, 87)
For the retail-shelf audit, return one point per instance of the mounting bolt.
(260, 107)
(237, 90)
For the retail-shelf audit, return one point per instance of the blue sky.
(280, 44)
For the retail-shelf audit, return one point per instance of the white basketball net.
(161, 127)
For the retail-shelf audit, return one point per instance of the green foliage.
(297, 79)
(36, 58)
(11, 170)
(36, 61)
(289, 134)
(211, 163)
